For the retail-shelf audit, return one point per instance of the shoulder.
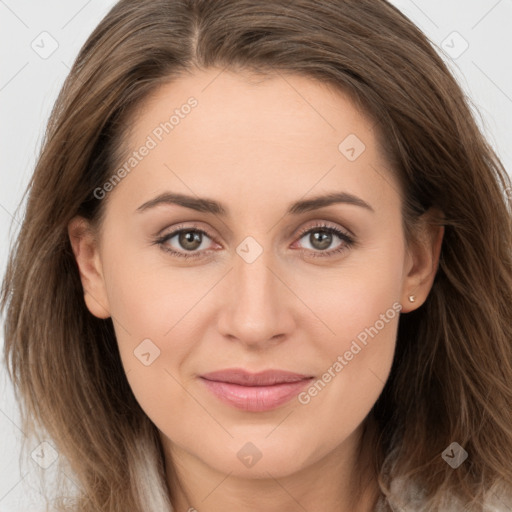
(409, 497)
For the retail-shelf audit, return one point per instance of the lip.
(255, 392)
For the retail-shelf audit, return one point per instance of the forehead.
(252, 107)
(267, 135)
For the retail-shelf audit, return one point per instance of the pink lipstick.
(255, 392)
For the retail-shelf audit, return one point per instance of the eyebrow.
(211, 206)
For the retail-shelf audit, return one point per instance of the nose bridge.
(254, 285)
(255, 310)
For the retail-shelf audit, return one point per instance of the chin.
(258, 455)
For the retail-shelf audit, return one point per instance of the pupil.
(190, 240)
(320, 239)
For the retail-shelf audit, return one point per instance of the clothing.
(412, 500)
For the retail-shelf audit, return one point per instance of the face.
(286, 256)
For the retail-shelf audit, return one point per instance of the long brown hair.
(451, 379)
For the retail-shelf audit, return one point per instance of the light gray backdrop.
(38, 43)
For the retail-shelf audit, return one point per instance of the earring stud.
(412, 298)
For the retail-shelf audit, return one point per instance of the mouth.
(255, 392)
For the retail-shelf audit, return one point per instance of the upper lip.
(245, 378)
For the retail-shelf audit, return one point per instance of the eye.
(321, 237)
(190, 242)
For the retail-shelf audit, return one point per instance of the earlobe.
(83, 242)
(424, 254)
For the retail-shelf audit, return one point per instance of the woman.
(266, 265)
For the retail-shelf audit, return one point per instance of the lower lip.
(255, 398)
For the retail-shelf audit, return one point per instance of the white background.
(29, 85)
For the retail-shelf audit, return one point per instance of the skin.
(256, 146)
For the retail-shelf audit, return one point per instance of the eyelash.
(348, 240)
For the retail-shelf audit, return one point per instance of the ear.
(422, 259)
(85, 248)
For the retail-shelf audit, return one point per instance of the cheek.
(146, 296)
(356, 366)
(353, 297)
(361, 307)
(148, 305)
(148, 310)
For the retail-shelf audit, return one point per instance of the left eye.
(321, 238)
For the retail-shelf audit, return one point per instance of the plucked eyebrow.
(211, 206)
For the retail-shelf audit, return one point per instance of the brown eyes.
(191, 241)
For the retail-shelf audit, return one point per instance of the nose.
(255, 309)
